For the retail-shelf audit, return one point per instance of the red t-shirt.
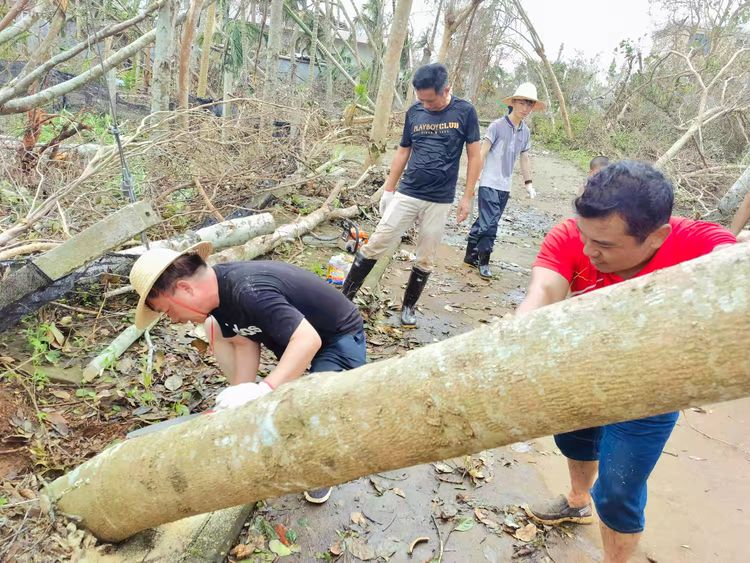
(562, 252)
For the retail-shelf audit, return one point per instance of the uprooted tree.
(650, 345)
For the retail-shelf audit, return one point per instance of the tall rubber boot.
(471, 258)
(484, 266)
(417, 281)
(357, 274)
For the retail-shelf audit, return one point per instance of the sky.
(593, 27)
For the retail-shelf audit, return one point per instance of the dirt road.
(699, 507)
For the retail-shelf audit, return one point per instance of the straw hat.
(148, 268)
(526, 91)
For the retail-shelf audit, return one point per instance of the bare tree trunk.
(16, 9)
(42, 52)
(452, 23)
(539, 48)
(328, 40)
(457, 67)
(568, 366)
(166, 23)
(208, 37)
(293, 60)
(731, 201)
(274, 47)
(391, 67)
(16, 29)
(313, 51)
(430, 45)
(186, 46)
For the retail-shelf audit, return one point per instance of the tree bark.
(452, 23)
(539, 49)
(206, 50)
(326, 53)
(20, 85)
(313, 52)
(654, 344)
(10, 32)
(391, 66)
(186, 45)
(16, 9)
(161, 77)
(731, 201)
(275, 30)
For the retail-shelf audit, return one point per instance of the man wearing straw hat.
(506, 139)
(243, 305)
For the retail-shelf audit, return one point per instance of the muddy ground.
(699, 507)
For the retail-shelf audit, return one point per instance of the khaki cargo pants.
(401, 214)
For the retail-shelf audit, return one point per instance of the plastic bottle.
(338, 268)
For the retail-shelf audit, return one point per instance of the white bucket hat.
(148, 268)
(526, 91)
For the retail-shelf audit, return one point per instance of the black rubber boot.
(471, 257)
(484, 266)
(357, 274)
(417, 281)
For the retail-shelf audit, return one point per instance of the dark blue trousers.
(484, 230)
(346, 352)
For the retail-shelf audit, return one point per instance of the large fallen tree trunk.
(651, 345)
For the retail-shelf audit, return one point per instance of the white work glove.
(385, 200)
(531, 191)
(237, 395)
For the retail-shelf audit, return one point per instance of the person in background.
(507, 139)
(436, 128)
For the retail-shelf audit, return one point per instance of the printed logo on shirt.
(434, 127)
(247, 331)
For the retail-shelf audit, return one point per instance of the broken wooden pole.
(655, 344)
(89, 244)
(114, 350)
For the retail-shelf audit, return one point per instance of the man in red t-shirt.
(623, 229)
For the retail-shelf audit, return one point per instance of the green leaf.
(291, 536)
(279, 548)
(3, 500)
(465, 523)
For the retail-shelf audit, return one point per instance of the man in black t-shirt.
(243, 305)
(436, 128)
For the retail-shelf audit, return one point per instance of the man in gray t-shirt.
(506, 139)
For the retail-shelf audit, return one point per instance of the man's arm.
(546, 287)
(742, 216)
(302, 347)
(525, 163)
(473, 170)
(397, 168)
(245, 361)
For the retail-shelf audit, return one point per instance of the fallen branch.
(115, 349)
(215, 212)
(30, 248)
(221, 235)
(265, 244)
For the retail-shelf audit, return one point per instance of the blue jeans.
(484, 230)
(345, 352)
(627, 453)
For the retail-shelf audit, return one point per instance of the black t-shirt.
(436, 139)
(266, 301)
